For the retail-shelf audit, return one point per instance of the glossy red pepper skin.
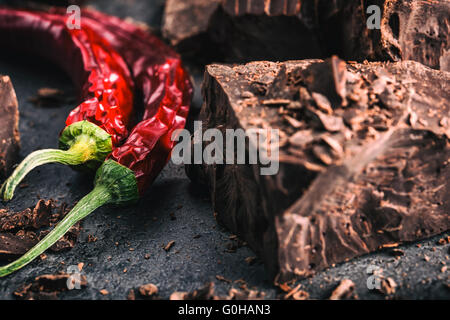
(99, 72)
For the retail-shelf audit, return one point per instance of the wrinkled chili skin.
(110, 86)
(150, 60)
(99, 72)
(166, 89)
(165, 85)
(148, 147)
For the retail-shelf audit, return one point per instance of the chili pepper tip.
(82, 143)
(114, 184)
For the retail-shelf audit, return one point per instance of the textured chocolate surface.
(215, 30)
(246, 30)
(364, 158)
(9, 121)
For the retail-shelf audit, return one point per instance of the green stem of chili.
(35, 159)
(114, 184)
(83, 143)
(98, 197)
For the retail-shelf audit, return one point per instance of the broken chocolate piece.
(375, 182)
(344, 290)
(19, 230)
(409, 30)
(13, 245)
(148, 290)
(34, 218)
(9, 126)
(388, 286)
(241, 31)
(208, 30)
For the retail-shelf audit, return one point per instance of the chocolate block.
(216, 30)
(246, 30)
(410, 30)
(363, 162)
(9, 130)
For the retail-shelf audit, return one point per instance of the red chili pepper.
(119, 180)
(166, 89)
(100, 121)
(135, 164)
(156, 68)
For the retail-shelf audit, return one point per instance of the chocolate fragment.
(388, 286)
(241, 31)
(14, 245)
(20, 231)
(344, 290)
(34, 218)
(48, 287)
(372, 182)
(9, 126)
(216, 30)
(148, 290)
(410, 30)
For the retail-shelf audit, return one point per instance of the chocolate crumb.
(148, 290)
(344, 290)
(104, 292)
(131, 295)
(388, 286)
(169, 245)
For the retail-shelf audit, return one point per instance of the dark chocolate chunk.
(14, 245)
(246, 30)
(377, 180)
(9, 126)
(34, 218)
(216, 30)
(410, 30)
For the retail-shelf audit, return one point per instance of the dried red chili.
(166, 89)
(156, 69)
(132, 166)
(100, 121)
(121, 179)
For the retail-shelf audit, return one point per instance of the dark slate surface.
(146, 226)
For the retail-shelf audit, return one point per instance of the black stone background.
(146, 226)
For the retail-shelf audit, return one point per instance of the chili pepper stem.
(114, 184)
(84, 143)
(96, 198)
(77, 154)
